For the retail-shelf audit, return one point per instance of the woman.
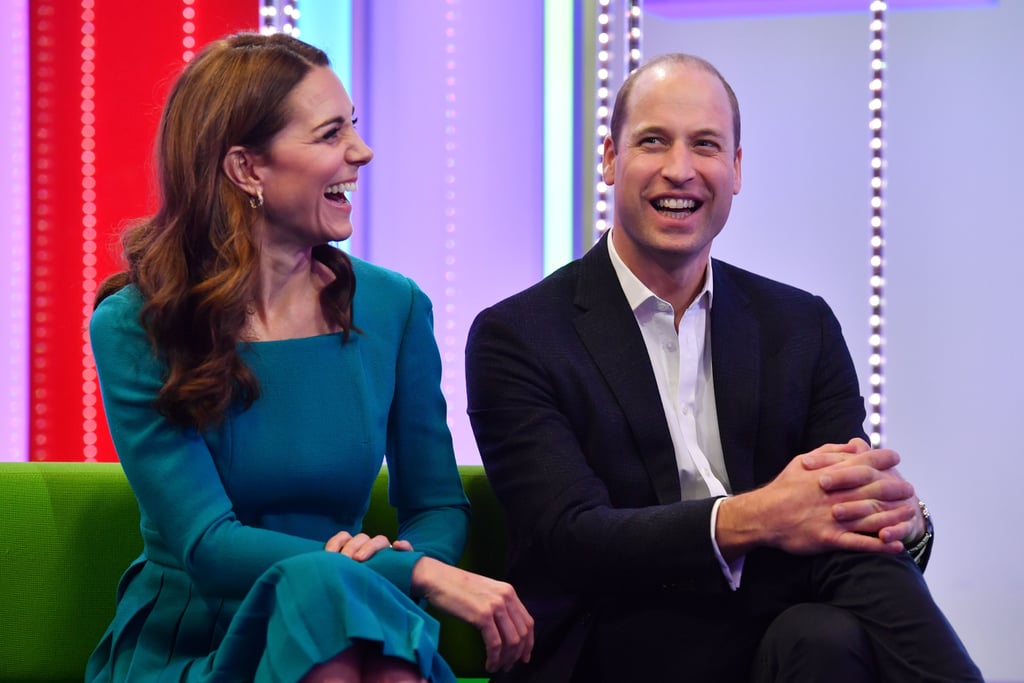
(252, 395)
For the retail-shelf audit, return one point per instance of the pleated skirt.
(303, 611)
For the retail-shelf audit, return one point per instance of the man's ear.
(239, 165)
(737, 171)
(608, 162)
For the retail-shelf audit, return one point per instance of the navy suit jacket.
(572, 434)
(565, 408)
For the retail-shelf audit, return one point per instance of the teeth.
(338, 188)
(672, 204)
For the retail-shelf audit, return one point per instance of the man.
(678, 444)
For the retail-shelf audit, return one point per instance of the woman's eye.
(331, 134)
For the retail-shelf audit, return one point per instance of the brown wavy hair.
(195, 262)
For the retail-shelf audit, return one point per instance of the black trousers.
(837, 617)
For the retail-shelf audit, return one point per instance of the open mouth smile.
(672, 207)
(336, 193)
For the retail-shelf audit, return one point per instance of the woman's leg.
(364, 663)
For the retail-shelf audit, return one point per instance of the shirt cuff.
(733, 571)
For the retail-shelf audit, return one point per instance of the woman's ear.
(239, 165)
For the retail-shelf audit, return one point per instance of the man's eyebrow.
(647, 129)
(709, 133)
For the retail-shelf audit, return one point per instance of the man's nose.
(678, 164)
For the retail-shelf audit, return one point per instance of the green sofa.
(68, 530)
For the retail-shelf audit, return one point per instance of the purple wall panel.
(454, 112)
(14, 240)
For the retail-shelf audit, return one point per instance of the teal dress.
(233, 583)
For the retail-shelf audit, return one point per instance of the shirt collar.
(637, 293)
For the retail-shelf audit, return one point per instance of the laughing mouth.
(336, 192)
(676, 208)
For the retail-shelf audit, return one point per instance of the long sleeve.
(424, 482)
(187, 518)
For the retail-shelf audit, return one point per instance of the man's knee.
(814, 642)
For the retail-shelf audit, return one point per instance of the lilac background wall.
(953, 235)
(453, 197)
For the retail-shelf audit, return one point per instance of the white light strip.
(635, 36)
(628, 61)
(877, 358)
(88, 158)
(451, 347)
(602, 209)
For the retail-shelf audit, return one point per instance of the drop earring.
(257, 201)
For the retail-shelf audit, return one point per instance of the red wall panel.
(99, 72)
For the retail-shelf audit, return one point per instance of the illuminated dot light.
(42, 203)
(188, 30)
(451, 381)
(90, 388)
(280, 16)
(602, 198)
(268, 17)
(606, 42)
(877, 281)
(635, 35)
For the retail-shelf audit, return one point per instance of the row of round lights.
(188, 30)
(450, 384)
(877, 281)
(43, 84)
(605, 50)
(602, 208)
(90, 386)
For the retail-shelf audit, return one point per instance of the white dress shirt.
(682, 367)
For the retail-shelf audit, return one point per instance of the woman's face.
(310, 166)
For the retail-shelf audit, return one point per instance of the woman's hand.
(492, 606)
(362, 547)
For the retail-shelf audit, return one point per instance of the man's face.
(674, 169)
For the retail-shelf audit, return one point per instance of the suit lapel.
(735, 358)
(609, 331)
